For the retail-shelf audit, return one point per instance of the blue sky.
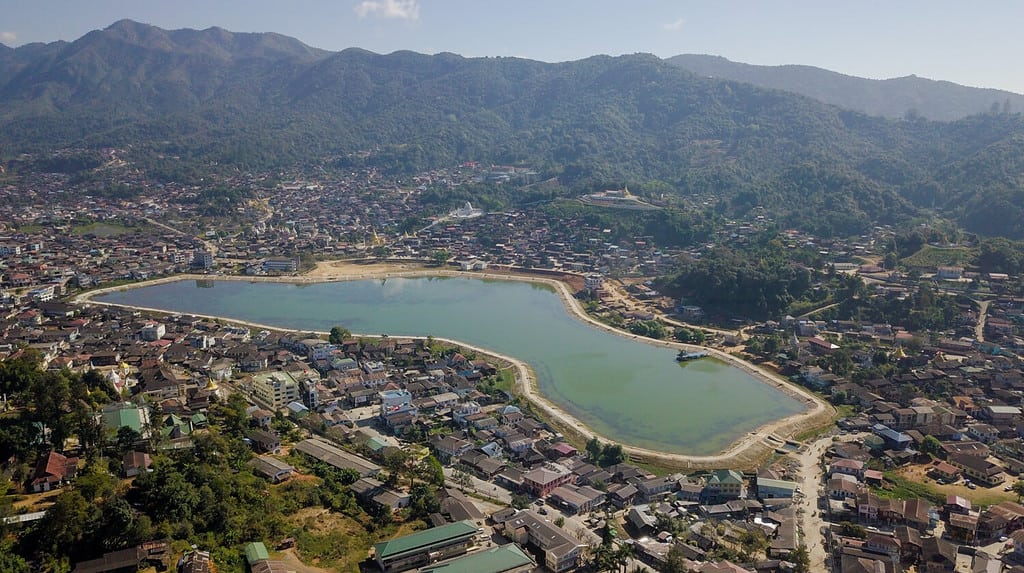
(972, 43)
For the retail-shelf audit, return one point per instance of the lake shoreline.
(745, 452)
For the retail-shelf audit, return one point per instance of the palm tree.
(623, 554)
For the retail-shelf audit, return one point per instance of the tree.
(338, 335)
(931, 445)
(801, 559)
(594, 449)
(675, 561)
(690, 335)
(423, 501)
(397, 463)
(126, 439)
(462, 479)
(439, 257)
(1018, 488)
(612, 454)
(432, 471)
(67, 524)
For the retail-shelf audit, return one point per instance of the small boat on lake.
(685, 356)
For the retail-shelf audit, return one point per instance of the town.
(432, 442)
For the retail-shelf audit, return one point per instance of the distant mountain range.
(266, 101)
(896, 97)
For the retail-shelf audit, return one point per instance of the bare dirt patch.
(979, 496)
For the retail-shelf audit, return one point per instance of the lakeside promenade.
(746, 452)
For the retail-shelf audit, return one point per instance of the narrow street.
(979, 329)
(479, 486)
(810, 474)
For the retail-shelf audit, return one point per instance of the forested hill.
(264, 100)
(895, 97)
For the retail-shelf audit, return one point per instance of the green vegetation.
(338, 335)
(605, 454)
(760, 281)
(270, 102)
(898, 487)
(907, 97)
(929, 257)
(206, 495)
(104, 229)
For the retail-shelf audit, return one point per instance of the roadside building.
(425, 547)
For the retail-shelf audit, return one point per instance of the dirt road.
(810, 472)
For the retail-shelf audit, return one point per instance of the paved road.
(479, 486)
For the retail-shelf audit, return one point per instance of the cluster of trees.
(690, 335)
(605, 455)
(924, 310)
(206, 495)
(57, 406)
(760, 282)
(1000, 255)
(649, 328)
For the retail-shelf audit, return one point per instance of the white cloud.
(9, 38)
(397, 9)
(674, 26)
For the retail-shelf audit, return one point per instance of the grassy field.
(331, 540)
(842, 411)
(913, 479)
(930, 257)
(105, 229)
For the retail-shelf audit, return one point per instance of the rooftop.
(424, 539)
(495, 560)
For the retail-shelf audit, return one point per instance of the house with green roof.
(508, 558)
(723, 485)
(124, 414)
(256, 551)
(425, 547)
(775, 488)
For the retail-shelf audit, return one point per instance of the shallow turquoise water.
(626, 390)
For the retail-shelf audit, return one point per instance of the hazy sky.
(972, 43)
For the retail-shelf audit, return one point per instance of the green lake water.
(629, 391)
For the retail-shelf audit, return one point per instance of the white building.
(275, 389)
(153, 331)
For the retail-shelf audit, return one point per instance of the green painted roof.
(776, 483)
(424, 539)
(495, 560)
(256, 551)
(726, 476)
(123, 415)
(376, 444)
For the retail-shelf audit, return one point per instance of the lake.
(626, 390)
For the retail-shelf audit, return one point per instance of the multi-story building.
(202, 259)
(153, 331)
(280, 265)
(275, 389)
(723, 485)
(542, 480)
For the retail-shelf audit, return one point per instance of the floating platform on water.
(685, 356)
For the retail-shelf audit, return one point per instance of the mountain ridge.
(893, 97)
(268, 101)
